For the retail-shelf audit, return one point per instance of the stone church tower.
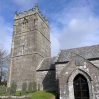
(30, 44)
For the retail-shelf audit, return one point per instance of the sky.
(73, 23)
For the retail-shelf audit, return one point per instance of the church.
(73, 73)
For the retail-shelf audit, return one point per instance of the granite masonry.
(73, 73)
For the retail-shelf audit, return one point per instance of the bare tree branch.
(4, 57)
(4, 60)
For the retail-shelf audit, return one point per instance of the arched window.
(81, 90)
(35, 21)
(25, 25)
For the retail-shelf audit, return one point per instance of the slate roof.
(47, 64)
(88, 52)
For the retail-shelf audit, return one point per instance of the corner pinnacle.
(36, 6)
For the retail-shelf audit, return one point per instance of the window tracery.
(25, 25)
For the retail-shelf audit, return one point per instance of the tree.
(4, 61)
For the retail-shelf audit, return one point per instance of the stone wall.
(15, 97)
(47, 80)
(59, 67)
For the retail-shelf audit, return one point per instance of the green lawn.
(42, 95)
(37, 95)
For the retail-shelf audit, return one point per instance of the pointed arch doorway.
(81, 90)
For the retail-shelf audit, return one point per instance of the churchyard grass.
(36, 95)
(42, 95)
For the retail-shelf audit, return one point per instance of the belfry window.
(25, 23)
(81, 90)
(35, 21)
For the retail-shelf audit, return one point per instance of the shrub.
(24, 88)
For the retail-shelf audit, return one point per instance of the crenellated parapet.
(32, 11)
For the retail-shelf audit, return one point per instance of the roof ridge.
(50, 57)
(80, 47)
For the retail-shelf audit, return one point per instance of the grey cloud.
(5, 34)
(80, 27)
